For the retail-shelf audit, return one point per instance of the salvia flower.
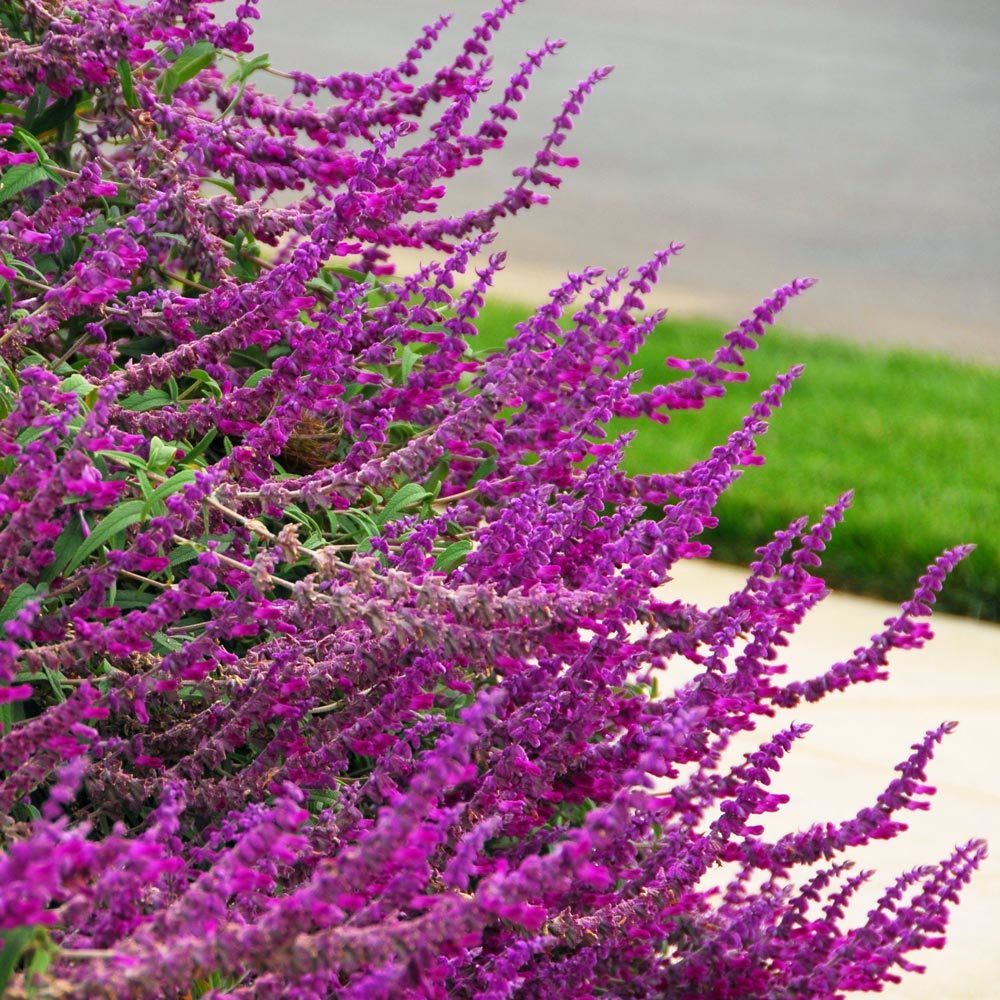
(333, 660)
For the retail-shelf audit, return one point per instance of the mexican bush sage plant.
(334, 661)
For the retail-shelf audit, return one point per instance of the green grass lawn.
(914, 435)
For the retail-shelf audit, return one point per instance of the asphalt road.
(853, 141)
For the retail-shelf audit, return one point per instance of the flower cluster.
(333, 658)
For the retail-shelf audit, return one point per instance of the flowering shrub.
(332, 645)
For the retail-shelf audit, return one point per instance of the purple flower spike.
(333, 657)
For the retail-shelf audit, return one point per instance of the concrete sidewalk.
(860, 735)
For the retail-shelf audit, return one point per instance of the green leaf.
(133, 599)
(128, 86)
(245, 71)
(76, 384)
(199, 448)
(66, 544)
(437, 476)
(296, 513)
(225, 185)
(164, 644)
(122, 517)
(486, 467)
(29, 434)
(183, 555)
(408, 358)
(54, 678)
(366, 529)
(452, 556)
(17, 599)
(135, 347)
(151, 399)
(122, 458)
(8, 297)
(23, 265)
(19, 178)
(251, 356)
(26, 139)
(320, 284)
(405, 496)
(57, 113)
(188, 64)
(256, 377)
(245, 270)
(146, 488)
(6, 725)
(15, 943)
(161, 454)
(174, 484)
(202, 376)
(248, 67)
(36, 104)
(351, 273)
(41, 959)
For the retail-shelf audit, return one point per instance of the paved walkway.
(858, 142)
(859, 736)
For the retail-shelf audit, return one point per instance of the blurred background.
(853, 141)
